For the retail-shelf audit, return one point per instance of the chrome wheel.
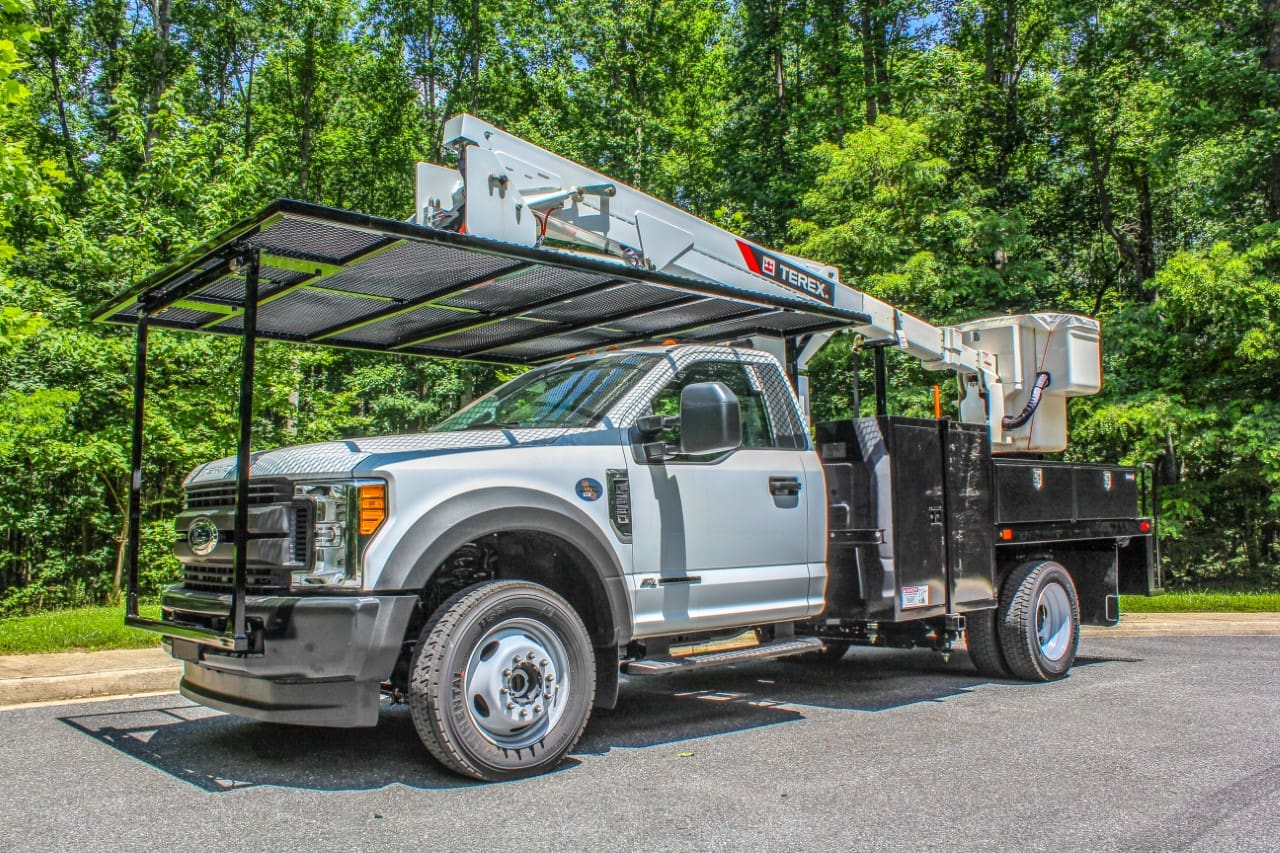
(1038, 621)
(1053, 621)
(515, 678)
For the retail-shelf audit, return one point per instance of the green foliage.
(957, 159)
(28, 192)
(84, 629)
(1200, 395)
(1198, 601)
(889, 211)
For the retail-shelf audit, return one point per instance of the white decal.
(915, 596)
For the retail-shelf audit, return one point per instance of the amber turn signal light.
(373, 508)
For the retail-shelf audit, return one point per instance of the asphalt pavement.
(1151, 743)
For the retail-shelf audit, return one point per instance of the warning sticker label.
(915, 596)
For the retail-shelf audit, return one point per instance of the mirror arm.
(650, 425)
(657, 451)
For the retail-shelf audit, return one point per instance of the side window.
(757, 428)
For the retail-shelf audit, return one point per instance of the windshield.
(566, 395)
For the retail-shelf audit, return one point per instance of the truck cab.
(552, 477)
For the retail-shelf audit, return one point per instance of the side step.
(775, 649)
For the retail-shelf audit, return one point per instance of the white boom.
(511, 190)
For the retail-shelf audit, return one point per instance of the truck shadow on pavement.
(218, 753)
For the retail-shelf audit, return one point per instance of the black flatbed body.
(925, 521)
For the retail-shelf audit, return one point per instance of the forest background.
(1119, 159)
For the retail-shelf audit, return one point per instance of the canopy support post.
(134, 539)
(238, 626)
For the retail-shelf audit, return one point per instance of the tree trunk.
(475, 53)
(868, 61)
(307, 88)
(248, 106)
(880, 51)
(159, 70)
(1271, 62)
(836, 22)
(1099, 172)
(122, 544)
(780, 85)
(1146, 236)
(55, 81)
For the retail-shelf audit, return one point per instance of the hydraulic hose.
(1033, 403)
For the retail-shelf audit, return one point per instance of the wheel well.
(531, 555)
(1092, 565)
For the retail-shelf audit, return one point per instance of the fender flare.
(472, 515)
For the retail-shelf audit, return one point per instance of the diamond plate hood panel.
(342, 458)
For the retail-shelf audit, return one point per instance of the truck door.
(722, 541)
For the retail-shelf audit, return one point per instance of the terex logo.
(762, 263)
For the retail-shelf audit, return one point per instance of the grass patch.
(95, 628)
(1202, 602)
(83, 629)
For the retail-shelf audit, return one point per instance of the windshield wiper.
(494, 425)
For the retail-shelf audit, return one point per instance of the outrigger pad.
(337, 278)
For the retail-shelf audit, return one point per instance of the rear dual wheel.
(1034, 633)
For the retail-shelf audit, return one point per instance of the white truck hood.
(344, 458)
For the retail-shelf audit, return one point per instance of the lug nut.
(532, 655)
(515, 659)
(537, 709)
(510, 705)
(551, 677)
(523, 713)
(506, 673)
(502, 691)
(543, 662)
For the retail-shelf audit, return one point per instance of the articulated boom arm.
(511, 190)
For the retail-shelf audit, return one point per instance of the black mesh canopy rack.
(310, 274)
(343, 279)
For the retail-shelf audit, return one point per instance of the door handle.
(784, 485)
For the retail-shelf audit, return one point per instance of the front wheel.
(502, 681)
(1039, 621)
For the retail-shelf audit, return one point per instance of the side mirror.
(710, 419)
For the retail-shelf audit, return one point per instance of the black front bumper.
(320, 660)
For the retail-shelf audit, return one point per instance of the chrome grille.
(303, 530)
(216, 574)
(224, 494)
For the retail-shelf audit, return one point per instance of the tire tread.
(982, 638)
(1017, 603)
(426, 679)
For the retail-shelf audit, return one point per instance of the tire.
(502, 681)
(982, 638)
(1039, 621)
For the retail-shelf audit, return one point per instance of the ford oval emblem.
(202, 536)
(589, 489)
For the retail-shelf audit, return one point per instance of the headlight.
(345, 516)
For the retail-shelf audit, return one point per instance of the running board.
(775, 649)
